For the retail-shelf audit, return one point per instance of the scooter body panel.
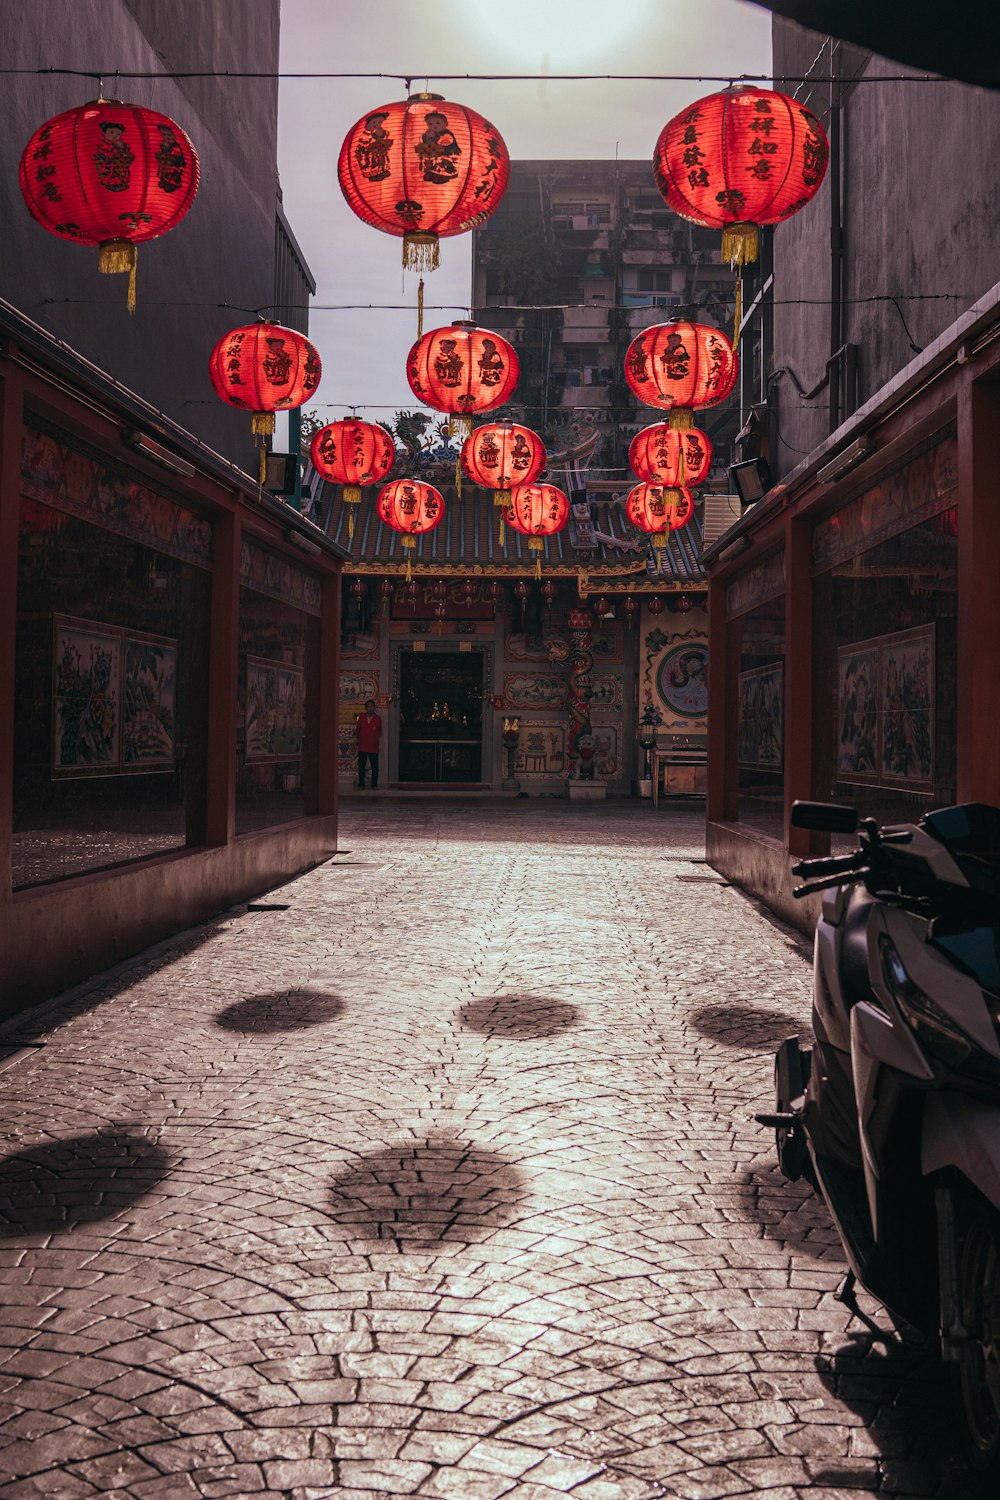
(963, 1133)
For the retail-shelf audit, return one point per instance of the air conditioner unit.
(719, 514)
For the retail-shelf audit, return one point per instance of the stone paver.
(442, 1181)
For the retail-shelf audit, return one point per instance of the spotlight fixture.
(751, 480)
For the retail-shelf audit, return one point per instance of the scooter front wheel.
(978, 1369)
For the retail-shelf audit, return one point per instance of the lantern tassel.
(350, 524)
(263, 462)
(659, 540)
(740, 244)
(681, 419)
(458, 476)
(420, 309)
(503, 533)
(262, 423)
(501, 497)
(421, 251)
(409, 569)
(680, 463)
(460, 427)
(738, 319)
(115, 258)
(538, 568)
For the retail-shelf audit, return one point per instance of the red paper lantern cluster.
(423, 168)
(537, 511)
(499, 455)
(740, 158)
(680, 367)
(110, 174)
(264, 368)
(413, 508)
(658, 511)
(462, 370)
(660, 454)
(353, 453)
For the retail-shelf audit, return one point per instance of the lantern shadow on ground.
(524, 1018)
(428, 1192)
(280, 1010)
(748, 1026)
(58, 1184)
(900, 1389)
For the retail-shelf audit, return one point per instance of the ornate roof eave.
(629, 578)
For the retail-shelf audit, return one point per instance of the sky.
(364, 351)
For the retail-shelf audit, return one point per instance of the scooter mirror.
(827, 817)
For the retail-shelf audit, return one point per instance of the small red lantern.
(423, 168)
(662, 455)
(264, 368)
(440, 610)
(439, 589)
(467, 589)
(537, 511)
(684, 605)
(521, 590)
(358, 588)
(680, 367)
(655, 605)
(657, 510)
(385, 592)
(631, 607)
(501, 454)
(110, 174)
(603, 609)
(496, 591)
(549, 591)
(412, 508)
(740, 158)
(352, 453)
(461, 370)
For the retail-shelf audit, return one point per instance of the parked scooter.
(894, 1114)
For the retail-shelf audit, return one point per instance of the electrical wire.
(100, 75)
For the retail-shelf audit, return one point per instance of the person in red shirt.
(369, 731)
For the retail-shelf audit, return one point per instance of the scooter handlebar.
(843, 864)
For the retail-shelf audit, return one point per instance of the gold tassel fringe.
(352, 494)
(420, 309)
(738, 319)
(350, 525)
(115, 258)
(263, 462)
(740, 244)
(680, 419)
(538, 567)
(503, 533)
(459, 427)
(421, 251)
(659, 540)
(501, 497)
(262, 423)
(680, 463)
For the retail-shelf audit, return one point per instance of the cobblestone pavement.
(437, 1176)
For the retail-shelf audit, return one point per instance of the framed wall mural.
(149, 712)
(682, 679)
(289, 713)
(761, 724)
(86, 698)
(261, 709)
(606, 691)
(534, 690)
(361, 645)
(541, 750)
(885, 710)
(358, 687)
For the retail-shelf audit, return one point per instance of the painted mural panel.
(885, 710)
(149, 717)
(539, 690)
(761, 731)
(86, 698)
(682, 679)
(607, 691)
(541, 749)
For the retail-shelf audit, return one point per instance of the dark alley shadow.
(280, 1010)
(441, 1189)
(56, 1185)
(747, 1026)
(901, 1391)
(523, 1017)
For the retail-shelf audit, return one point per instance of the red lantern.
(662, 455)
(738, 159)
(467, 589)
(537, 511)
(684, 605)
(112, 175)
(631, 607)
(352, 453)
(423, 168)
(657, 510)
(549, 591)
(385, 591)
(411, 507)
(460, 370)
(264, 368)
(496, 591)
(439, 589)
(679, 367)
(440, 610)
(501, 454)
(602, 608)
(358, 588)
(655, 605)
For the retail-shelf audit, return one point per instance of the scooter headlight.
(932, 1026)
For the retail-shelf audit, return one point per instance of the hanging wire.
(268, 75)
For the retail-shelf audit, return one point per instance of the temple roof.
(597, 539)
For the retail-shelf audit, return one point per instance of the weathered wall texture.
(921, 201)
(223, 252)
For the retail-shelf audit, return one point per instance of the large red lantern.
(537, 511)
(738, 159)
(263, 368)
(658, 510)
(412, 508)
(352, 453)
(112, 175)
(680, 367)
(501, 454)
(662, 455)
(462, 370)
(423, 168)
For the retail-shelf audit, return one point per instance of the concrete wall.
(223, 252)
(921, 202)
